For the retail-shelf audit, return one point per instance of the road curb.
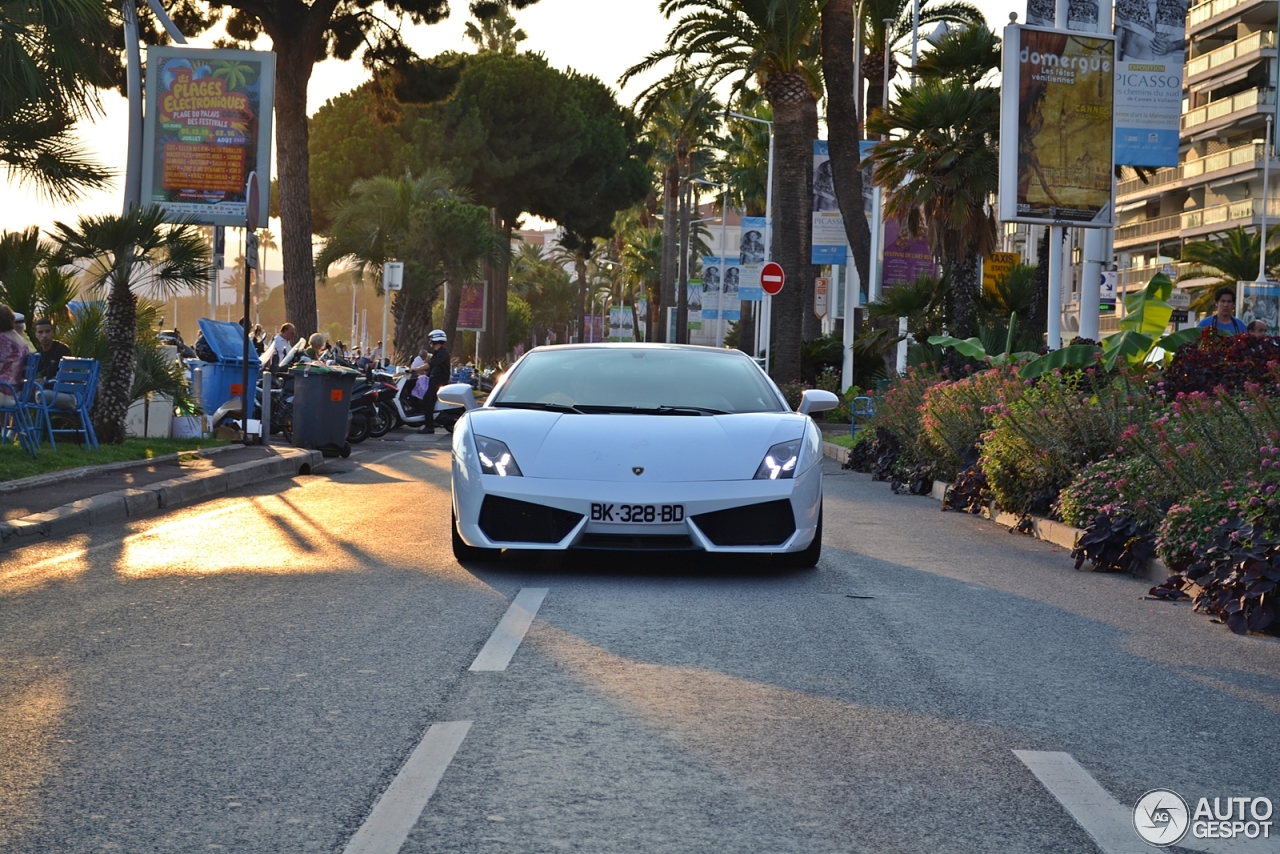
(142, 501)
(1057, 533)
(836, 452)
(84, 471)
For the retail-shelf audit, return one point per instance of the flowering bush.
(1229, 362)
(898, 412)
(1041, 441)
(1114, 484)
(1201, 441)
(954, 415)
(1192, 525)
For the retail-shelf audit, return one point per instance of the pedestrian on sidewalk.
(51, 351)
(13, 353)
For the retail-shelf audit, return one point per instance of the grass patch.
(844, 440)
(16, 463)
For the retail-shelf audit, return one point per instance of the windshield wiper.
(684, 410)
(543, 407)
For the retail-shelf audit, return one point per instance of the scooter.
(446, 416)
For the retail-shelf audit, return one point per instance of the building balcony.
(1225, 111)
(1244, 48)
(1154, 184)
(1248, 212)
(1204, 13)
(1195, 172)
(1149, 230)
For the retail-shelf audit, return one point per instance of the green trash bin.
(322, 407)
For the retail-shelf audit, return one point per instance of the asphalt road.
(253, 673)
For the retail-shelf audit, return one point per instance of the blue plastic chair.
(14, 421)
(864, 408)
(73, 393)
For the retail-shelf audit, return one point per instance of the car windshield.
(653, 380)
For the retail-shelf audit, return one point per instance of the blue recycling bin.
(221, 380)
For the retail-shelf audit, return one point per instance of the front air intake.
(505, 520)
(767, 524)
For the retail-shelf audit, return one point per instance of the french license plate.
(657, 514)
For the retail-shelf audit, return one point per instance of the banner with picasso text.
(207, 126)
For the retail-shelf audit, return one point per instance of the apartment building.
(1229, 89)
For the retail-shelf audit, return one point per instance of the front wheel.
(465, 553)
(384, 420)
(809, 557)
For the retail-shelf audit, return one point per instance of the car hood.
(669, 448)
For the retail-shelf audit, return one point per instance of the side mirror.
(816, 400)
(460, 394)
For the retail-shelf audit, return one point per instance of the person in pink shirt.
(13, 354)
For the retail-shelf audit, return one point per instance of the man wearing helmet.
(437, 373)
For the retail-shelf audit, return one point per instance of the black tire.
(384, 420)
(808, 558)
(465, 553)
(358, 428)
(346, 450)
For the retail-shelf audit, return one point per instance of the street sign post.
(253, 201)
(772, 278)
(820, 286)
(392, 280)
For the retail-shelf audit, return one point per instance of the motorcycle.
(446, 414)
(372, 413)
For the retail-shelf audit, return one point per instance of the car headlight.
(781, 461)
(495, 458)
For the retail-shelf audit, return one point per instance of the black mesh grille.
(767, 524)
(636, 542)
(505, 520)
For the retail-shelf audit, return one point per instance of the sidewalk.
(51, 505)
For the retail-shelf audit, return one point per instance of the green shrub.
(1118, 483)
(954, 415)
(1044, 439)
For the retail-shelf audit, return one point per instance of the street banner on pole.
(829, 242)
(621, 323)
(906, 258)
(1151, 41)
(1056, 129)
(1082, 15)
(471, 314)
(694, 292)
(207, 127)
(720, 300)
(751, 254)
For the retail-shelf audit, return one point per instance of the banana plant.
(1147, 314)
(975, 349)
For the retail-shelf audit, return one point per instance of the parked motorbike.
(446, 414)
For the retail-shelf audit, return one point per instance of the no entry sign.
(772, 278)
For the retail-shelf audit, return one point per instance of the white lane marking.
(504, 641)
(1109, 822)
(399, 807)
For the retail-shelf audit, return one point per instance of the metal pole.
(877, 235)
(1266, 181)
(915, 37)
(133, 78)
(1055, 287)
(724, 248)
(852, 287)
(766, 307)
(386, 310)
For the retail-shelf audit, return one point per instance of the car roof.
(634, 345)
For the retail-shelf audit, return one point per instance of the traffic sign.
(820, 286)
(772, 278)
(393, 276)
(253, 201)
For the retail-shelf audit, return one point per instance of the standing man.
(437, 371)
(51, 351)
(1224, 321)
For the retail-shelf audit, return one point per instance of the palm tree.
(898, 35)
(497, 31)
(681, 120)
(774, 42)
(52, 61)
(31, 281)
(1233, 257)
(266, 240)
(938, 173)
(126, 254)
(374, 225)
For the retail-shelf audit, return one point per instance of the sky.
(590, 36)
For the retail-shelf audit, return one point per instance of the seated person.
(13, 354)
(51, 350)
